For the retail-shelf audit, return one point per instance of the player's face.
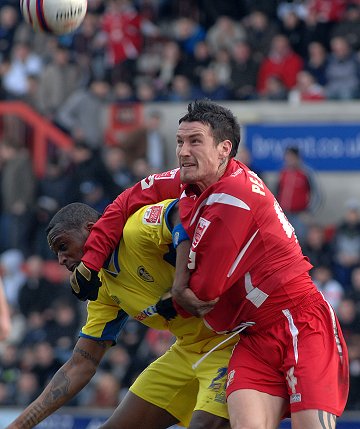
(201, 161)
(68, 247)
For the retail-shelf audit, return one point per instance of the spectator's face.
(115, 158)
(225, 24)
(62, 56)
(68, 245)
(290, 20)
(21, 51)
(280, 46)
(322, 274)
(201, 160)
(315, 237)
(34, 266)
(100, 89)
(201, 50)
(8, 17)
(353, 14)
(346, 311)
(258, 20)
(291, 159)
(171, 52)
(209, 79)
(304, 80)
(317, 52)
(352, 216)
(145, 92)
(355, 279)
(340, 47)
(241, 52)
(181, 85)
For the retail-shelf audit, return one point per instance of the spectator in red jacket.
(282, 61)
(297, 191)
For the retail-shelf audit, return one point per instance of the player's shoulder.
(244, 185)
(237, 180)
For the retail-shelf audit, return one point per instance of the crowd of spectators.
(147, 51)
(177, 50)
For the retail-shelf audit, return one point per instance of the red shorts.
(302, 358)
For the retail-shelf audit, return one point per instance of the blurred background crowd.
(147, 51)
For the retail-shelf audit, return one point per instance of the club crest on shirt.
(152, 215)
(144, 275)
(201, 227)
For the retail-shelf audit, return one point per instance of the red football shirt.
(243, 250)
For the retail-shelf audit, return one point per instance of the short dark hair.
(72, 217)
(222, 121)
(294, 150)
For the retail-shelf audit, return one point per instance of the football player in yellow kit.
(174, 389)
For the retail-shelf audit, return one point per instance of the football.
(54, 16)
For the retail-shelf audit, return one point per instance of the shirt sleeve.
(105, 319)
(107, 232)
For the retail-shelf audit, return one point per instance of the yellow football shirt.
(139, 272)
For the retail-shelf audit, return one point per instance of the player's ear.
(89, 225)
(225, 148)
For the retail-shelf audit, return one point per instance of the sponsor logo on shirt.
(152, 215)
(201, 227)
(237, 172)
(176, 238)
(115, 299)
(148, 312)
(144, 275)
(230, 378)
(149, 181)
(166, 175)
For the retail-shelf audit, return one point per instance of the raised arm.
(70, 379)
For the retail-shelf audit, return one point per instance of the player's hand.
(85, 283)
(187, 299)
(165, 307)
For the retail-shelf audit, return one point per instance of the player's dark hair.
(222, 121)
(72, 217)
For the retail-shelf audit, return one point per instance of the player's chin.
(72, 267)
(187, 175)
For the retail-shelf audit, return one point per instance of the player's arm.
(212, 255)
(180, 290)
(107, 232)
(70, 379)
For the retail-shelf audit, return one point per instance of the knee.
(252, 425)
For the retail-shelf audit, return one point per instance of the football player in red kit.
(245, 256)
